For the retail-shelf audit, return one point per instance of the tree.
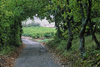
(70, 16)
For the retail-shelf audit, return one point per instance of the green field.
(38, 32)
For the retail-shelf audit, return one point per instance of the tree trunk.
(82, 31)
(82, 42)
(20, 31)
(84, 23)
(93, 35)
(57, 25)
(1, 44)
(96, 41)
(93, 31)
(69, 43)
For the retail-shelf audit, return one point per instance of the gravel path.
(35, 55)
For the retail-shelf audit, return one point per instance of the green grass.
(73, 55)
(38, 32)
(44, 40)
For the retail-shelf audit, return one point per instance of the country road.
(35, 55)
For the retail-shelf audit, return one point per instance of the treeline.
(71, 17)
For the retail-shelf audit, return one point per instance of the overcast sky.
(43, 22)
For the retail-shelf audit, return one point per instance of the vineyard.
(38, 32)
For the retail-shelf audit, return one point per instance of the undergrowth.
(73, 55)
(7, 50)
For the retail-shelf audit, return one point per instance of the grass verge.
(43, 40)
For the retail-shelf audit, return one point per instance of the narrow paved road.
(35, 55)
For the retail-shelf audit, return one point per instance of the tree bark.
(91, 28)
(82, 39)
(1, 43)
(84, 23)
(57, 25)
(82, 31)
(69, 43)
(20, 31)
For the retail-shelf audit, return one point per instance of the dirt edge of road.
(9, 60)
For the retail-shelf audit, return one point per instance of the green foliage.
(54, 43)
(73, 55)
(38, 32)
(62, 46)
(12, 12)
(7, 49)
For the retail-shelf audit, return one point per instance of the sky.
(43, 22)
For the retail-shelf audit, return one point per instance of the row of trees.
(71, 17)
